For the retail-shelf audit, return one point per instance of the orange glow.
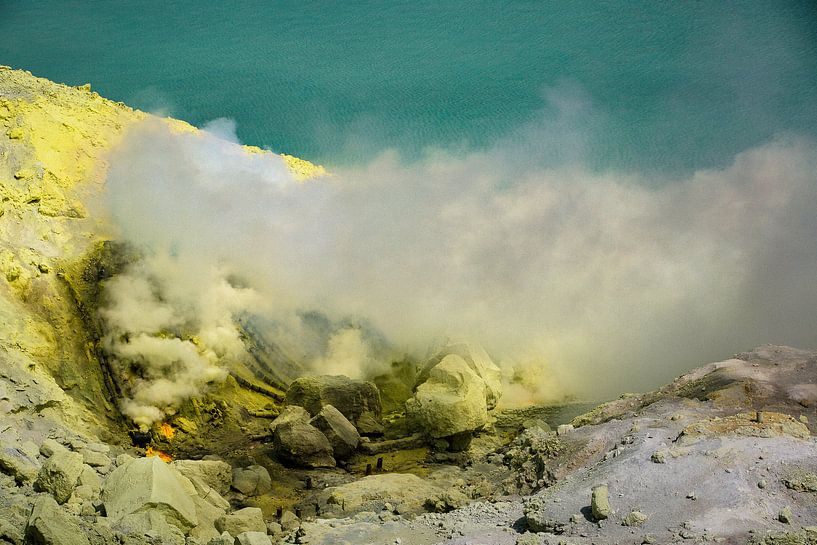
(167, 430)
(165, 457)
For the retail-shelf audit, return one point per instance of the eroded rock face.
(342, 435)
(301, 444)
(357, 400)
(150, 484)
(451, 401)
(477, 359)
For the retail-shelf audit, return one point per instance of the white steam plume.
(598, 281)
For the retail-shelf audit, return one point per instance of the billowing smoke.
(577, 281)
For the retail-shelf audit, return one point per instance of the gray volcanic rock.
(59, 474)
(353, 398)
(50, 524)
(303, 445)
(290, 413)
(150, 484)
(342, 435)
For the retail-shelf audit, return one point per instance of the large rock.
(18, 463)
(150, 523)
(477, 359)
(301, 444)
(290, 413)
(353, 398)
(59, 474)
(249, 519)
(253, 538)
(214, 473)
(50, 524)
(451, 401)
(150, 484)
(406, 493)
(252, 481)
(342, 435)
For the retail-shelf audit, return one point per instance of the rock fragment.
(253, 538)
(301, 444)
(341, 434)
(253, 480)
(634, 518)
(59, 474)
(600, 502)
(49, 524)
(249, 519)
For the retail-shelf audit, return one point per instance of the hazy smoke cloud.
(576, 281)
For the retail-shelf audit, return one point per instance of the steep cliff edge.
(55, 249)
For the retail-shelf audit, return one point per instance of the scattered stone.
(634, 518)
(451, 401)
(59, 474)
(659, 457)
(691, 496)
(600, 502)
(303, 445)
(149, 483)
(249, 519)
(785, 516)
(762, 483)
(94, 458)
(342, 435)
(252, 481)
(803, 418)
(49, 524)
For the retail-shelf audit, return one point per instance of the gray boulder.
(249, 519)
(215, 474)
(342, 435)
(301, 444)
(50, 524)
(477, 359)
(353, 398)
(252, 481)
(150, 484)
(406, 493)
(451, 401)
(59, 474)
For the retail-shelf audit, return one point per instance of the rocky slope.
(725, 453)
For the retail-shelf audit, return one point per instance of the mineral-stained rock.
(19, 464)
(224, 539)
(290, 521)
(451, 401)
(215, 474)
(59, 474)
(600, 502)
(801, 481)
(50, 524)
(252, 481)
(538, 517)
(634, 518)
(479, 362)
(407, 494)
(50, 446)
(303, 445)
(351, 397)
(249, 519)
(150, 484)
(342, 435)
(290, 413)
(253, 538)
